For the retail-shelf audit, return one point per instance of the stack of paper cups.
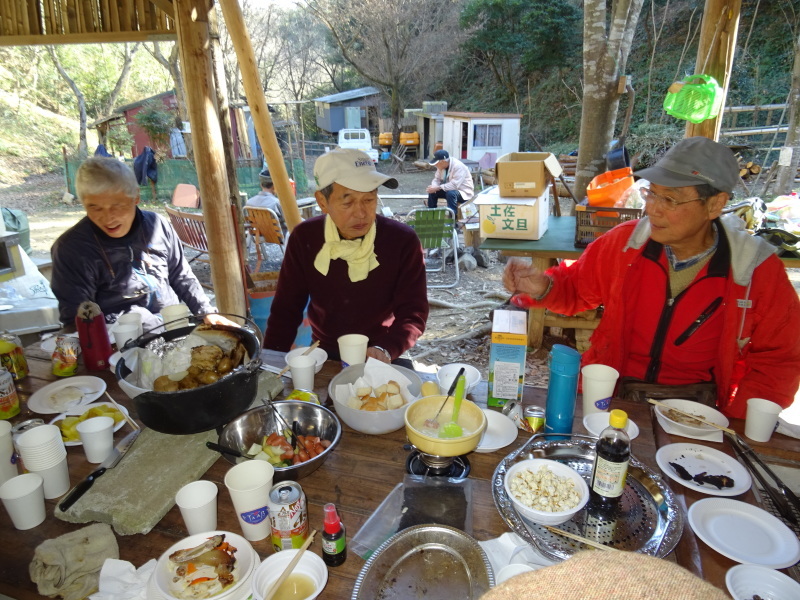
(43, 452)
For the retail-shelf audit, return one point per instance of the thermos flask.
(93, 335)
(565, 365)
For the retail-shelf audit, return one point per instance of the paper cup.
(249, 484)
(174, 316)
(97, 437)
(124, 332)
(23, 498)
(303, 368)
(132, 319)
(41, 447)
(197, 502)
(599, 382)
(8, 468)
(353, 349)
(761, 420)
(55, 479)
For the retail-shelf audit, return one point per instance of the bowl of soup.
(426, 438)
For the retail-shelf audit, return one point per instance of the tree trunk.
(122, 80)
(787, 173)
(605, 55)
(83, 149)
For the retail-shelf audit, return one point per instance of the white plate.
(698, 459)
(701, 410)
(500, 432)
(745, 581)
(79, 410)
(42, 401)
(595, 423)
(744, 533)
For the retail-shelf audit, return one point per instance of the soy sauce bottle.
(334, 543)
(613, 453)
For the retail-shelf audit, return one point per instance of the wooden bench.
(191, 230)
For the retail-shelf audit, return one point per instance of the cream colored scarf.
(359, 254)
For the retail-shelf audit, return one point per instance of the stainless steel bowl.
(249, 428)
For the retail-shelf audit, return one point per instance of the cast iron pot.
(203, 408)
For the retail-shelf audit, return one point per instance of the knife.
(109, 463)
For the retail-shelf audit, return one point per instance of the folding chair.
(186, 195)
(265, 227)
(436, 229)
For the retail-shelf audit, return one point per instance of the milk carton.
(507, 356)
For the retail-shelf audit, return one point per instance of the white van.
(358, 139)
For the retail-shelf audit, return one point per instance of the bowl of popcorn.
(545, 491)
(373, 397)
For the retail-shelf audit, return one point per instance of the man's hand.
(374, 352)
(521, 277)
(215, 319)
(432, 189)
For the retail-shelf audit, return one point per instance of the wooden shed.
(353, 109)
(472, 134)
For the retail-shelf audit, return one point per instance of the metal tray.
(435, 562)
(649, 520)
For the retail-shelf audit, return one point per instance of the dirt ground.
(457, 329)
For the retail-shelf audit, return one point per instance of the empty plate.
(697, 459)
(61, 396)
(744, 533)
(500, 432)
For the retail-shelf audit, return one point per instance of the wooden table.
(558, 242)
(357, 477)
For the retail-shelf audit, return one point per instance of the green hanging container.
(696, 100)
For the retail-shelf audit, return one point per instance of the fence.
(763, 122)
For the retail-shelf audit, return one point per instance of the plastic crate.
(593, 221)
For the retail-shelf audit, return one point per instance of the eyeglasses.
(650, 197)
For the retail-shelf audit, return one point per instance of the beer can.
(65, 356)
(12, 357)
(9, 401)
(534, 415)
(288, 515)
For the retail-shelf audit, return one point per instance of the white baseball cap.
(350, 168)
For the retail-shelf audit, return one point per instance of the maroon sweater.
(390, 306)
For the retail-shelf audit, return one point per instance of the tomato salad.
(277, 449)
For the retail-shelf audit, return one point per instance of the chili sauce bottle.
(334, 542)
(613, 453)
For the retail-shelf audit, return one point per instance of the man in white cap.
(690, 296)
(359, 272)
(452, 181)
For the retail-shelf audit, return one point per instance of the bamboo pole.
(114, 15)
(106, 15)
(194, 44)
(258, 109)
(25, 25)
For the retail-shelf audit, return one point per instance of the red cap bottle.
(334, 542)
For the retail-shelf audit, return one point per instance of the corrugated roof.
(349, 95)
(481, 115)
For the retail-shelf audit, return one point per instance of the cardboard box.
(525, 174)
(507, 356)
(513, 218)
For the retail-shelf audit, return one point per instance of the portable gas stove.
(421, 463)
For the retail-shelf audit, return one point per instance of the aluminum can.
(288, 515)
(534, 416)
(9, 401)
(65, 356)
(12, 357)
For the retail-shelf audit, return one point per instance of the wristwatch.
(385, 351)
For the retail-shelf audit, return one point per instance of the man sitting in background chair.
(266, 198)
(452, 181)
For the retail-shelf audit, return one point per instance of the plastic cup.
(174, 316)
(55, 479)
(197, 502)
(303, 368)
(249, 484)
(97, 437)
(353, 349)
(124, 332)
(599, 382)
(132, 319)
(23, 498)
(761, 420)
(8, 469)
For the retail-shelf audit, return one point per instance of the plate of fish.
(704, 469)
(61, 396)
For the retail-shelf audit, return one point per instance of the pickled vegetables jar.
(12, 357)
(9, 401)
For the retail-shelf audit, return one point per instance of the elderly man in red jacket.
(689, 295)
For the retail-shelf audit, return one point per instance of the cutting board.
(135, 495)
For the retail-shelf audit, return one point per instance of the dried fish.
(681, 471)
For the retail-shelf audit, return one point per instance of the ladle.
(453, 429)
(433, 423)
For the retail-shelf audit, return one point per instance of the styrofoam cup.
(197, 502)
(124, 332)
(8, 469)
(353, 348)
(23, 497)
(599, 382)
(132, 318)
(761, 420)
(174, 316)
(56, 479)
(303, 368)
(249, 484)
(97, 437)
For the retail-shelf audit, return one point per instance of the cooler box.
(261, 297)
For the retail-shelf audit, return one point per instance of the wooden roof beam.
(111, 37)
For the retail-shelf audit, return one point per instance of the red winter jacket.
(759, 337)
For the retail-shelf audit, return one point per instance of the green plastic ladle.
(453, 429)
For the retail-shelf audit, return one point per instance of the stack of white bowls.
(43, 452)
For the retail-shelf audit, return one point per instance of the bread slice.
(223, 338)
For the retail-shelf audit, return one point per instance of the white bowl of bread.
(377, 406)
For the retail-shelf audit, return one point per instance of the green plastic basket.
(698, 99)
